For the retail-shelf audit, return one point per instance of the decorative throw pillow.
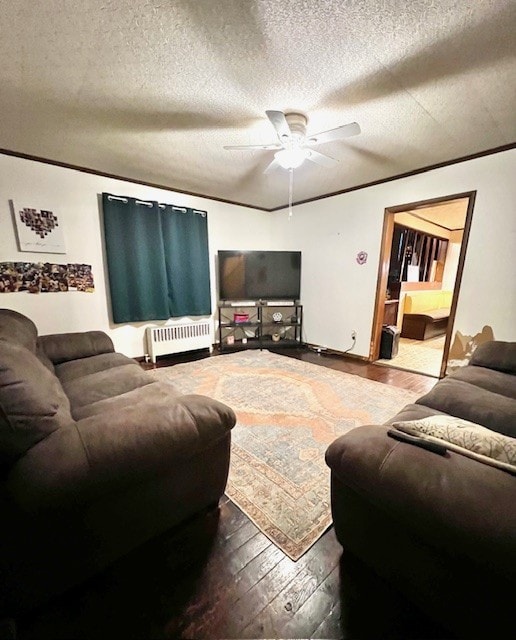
(465, 437)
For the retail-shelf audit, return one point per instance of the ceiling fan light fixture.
(291, 158)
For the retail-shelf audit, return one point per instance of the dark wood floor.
(218, 576)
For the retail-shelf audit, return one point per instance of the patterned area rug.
(288, 412)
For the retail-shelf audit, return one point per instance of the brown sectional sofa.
(440, 528)
(95, 458)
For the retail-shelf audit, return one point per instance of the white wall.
(451, 265)
(339, 294)
(74, 196)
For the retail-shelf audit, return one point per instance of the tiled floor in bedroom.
(421, 356)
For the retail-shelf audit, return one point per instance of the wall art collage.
(45, 277)
(40, 230)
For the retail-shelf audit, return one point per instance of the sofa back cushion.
(43, 358)
(423, 301)
(32, 402)
(19, 329)
(497, 355)
(471, 402)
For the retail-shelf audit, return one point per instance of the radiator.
(178, 338)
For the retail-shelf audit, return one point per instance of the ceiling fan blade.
(252, 146)
(279, 122)
(345, 131)
(322, 159)
(272, 166)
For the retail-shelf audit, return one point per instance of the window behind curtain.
(157, 258)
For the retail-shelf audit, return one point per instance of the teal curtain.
(185, 237)
(157, 259)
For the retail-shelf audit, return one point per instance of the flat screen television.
(259, 275)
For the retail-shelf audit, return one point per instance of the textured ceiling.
(152, 90)
(450, 215)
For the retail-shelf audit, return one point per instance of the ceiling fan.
(294, 146)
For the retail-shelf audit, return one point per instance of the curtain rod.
(161, 206)
(183, 209)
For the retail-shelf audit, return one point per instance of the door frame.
(385, 258)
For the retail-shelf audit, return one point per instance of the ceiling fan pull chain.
(290, 191)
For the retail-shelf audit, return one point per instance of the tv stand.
(257, 326)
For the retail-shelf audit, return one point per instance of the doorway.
(421, 262)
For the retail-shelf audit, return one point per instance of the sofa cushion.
(32, 402)
(425, 301)
(152, 436)
(104, 384)
(496, 355)
(74, 369)
(61, 347)
(157, 391)
(467, 438)
(463, 400)
(413, 412)
(44, 359)
(428, 316)
(488, 379)
(17, 328)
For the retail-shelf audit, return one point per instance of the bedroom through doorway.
(423, 250)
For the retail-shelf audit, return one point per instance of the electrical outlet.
(353, 335)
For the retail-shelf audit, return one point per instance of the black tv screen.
(259, 275)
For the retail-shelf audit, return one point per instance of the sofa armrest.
(62, 347)
(108, 452)
(147, 438)
(450, 502)
(50, 475)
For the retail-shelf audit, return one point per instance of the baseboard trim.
(335, 352)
